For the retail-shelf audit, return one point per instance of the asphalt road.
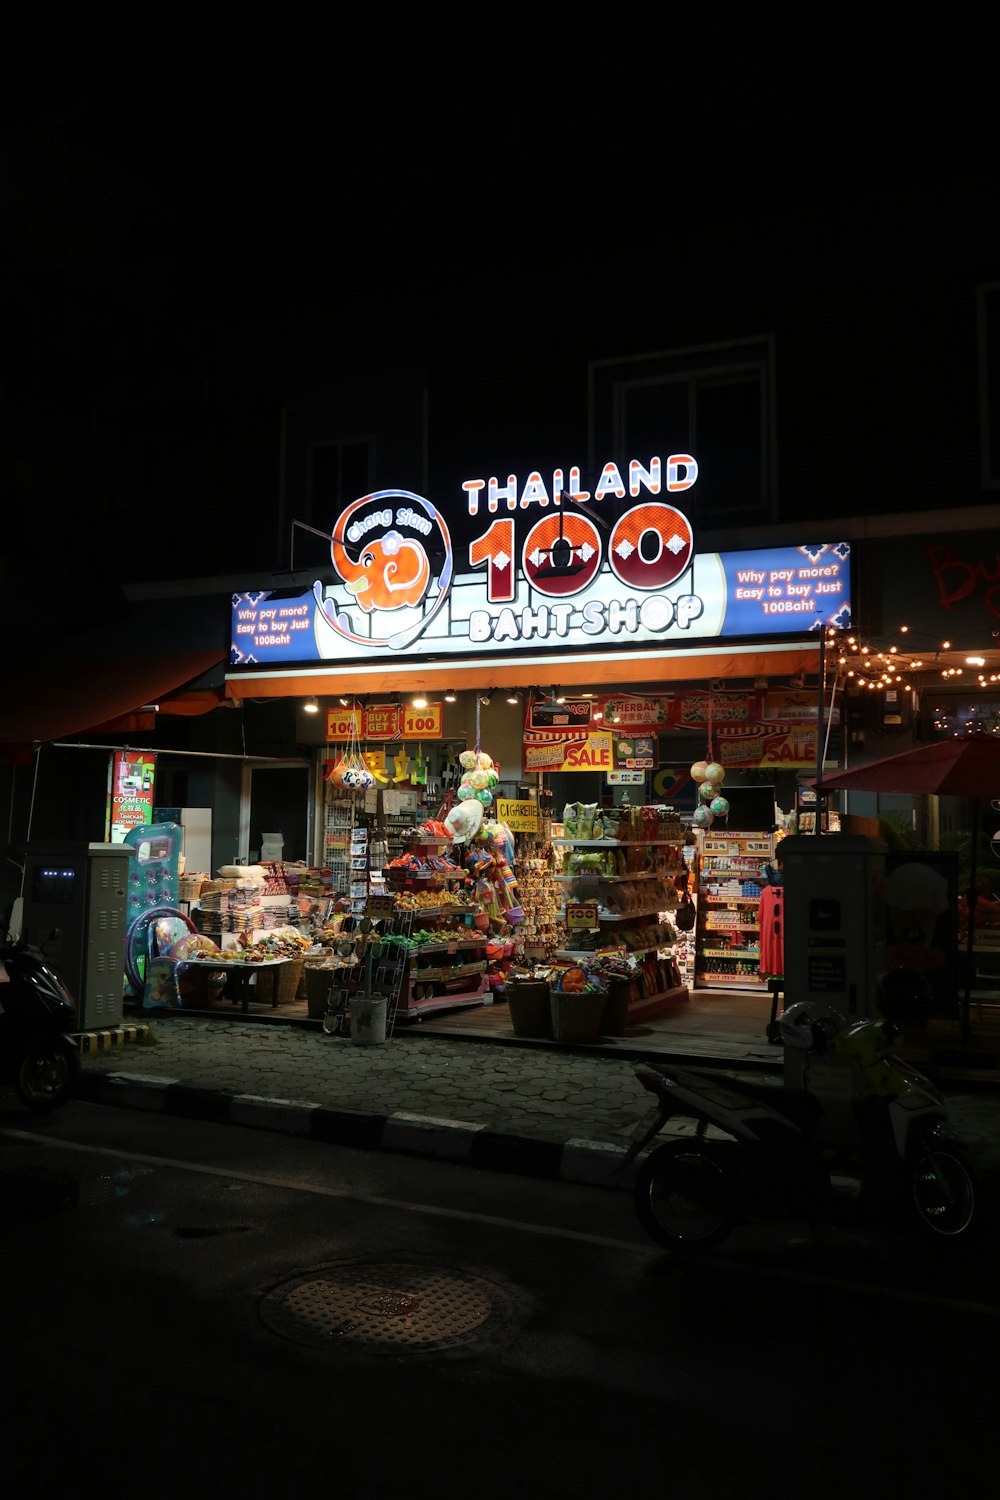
(198, 1308)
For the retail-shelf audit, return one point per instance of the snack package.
(571, 820)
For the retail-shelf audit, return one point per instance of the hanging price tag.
(581, 916)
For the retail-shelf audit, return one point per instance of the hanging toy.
(715, 772)
(468, 760)
(706, 791)
(699, 771)
(718, 807)
(702, 817)
(484, 762)
(466, 792)
(478, 779)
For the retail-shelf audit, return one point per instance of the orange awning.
(591, 670)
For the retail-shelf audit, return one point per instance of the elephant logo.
(390, 573)
(389, 548)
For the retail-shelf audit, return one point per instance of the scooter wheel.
(943, 1192)
(47, 1074)
(683, 1195)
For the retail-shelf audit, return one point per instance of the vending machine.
(834, 938)
(74, 912)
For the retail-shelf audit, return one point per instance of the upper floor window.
(714, 402)
(338, 473)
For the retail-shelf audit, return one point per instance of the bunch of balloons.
(479, 776)
(711, 803)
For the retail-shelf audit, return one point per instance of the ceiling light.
(513, 697)
(311, 706)
(484, 699)
(560, 696)
(420, 701)
(975, 661)
(450, 696)
(344, 702)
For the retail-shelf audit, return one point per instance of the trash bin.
(368, 1022)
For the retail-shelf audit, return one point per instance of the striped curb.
(594, 1163)
(107, 1041)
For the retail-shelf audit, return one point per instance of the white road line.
(545, 1231)
(264, 1180)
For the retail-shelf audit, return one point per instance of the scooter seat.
(797, 1105)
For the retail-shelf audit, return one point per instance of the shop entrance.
(279, 802)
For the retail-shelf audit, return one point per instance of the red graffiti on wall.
(958, 580)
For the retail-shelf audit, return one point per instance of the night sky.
(166, 169)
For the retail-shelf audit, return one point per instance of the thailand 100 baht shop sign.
(554, 568)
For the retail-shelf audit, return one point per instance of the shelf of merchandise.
(617, 843)
(533, 872)
(726, 856)
(651, 1004)
(410, 1007)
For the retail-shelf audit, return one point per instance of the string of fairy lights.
(871, 666)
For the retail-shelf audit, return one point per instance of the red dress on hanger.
(770, 915)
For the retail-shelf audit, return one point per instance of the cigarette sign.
(520, 817)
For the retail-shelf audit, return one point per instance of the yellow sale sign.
(423, 723)
(590, 752)
(343, 723)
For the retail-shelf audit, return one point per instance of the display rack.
(444, 974)
(447, 974)
(648, 865)
(727, 947)
(338, 826)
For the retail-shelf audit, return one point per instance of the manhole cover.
(392, 1307)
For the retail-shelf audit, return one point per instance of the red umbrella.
(957, 767)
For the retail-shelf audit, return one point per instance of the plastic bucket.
(368, 1022)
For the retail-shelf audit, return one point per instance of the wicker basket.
(577, 1017)
(318, 982)
(189, 887)
(288, 980)
(530, 1009)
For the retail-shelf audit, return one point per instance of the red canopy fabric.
(43, 702)
(958, 767)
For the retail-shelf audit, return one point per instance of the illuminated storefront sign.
(555, 567)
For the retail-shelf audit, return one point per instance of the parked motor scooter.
(776, 1152)
(38, 1056)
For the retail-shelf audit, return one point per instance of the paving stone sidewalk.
(543, 1112)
